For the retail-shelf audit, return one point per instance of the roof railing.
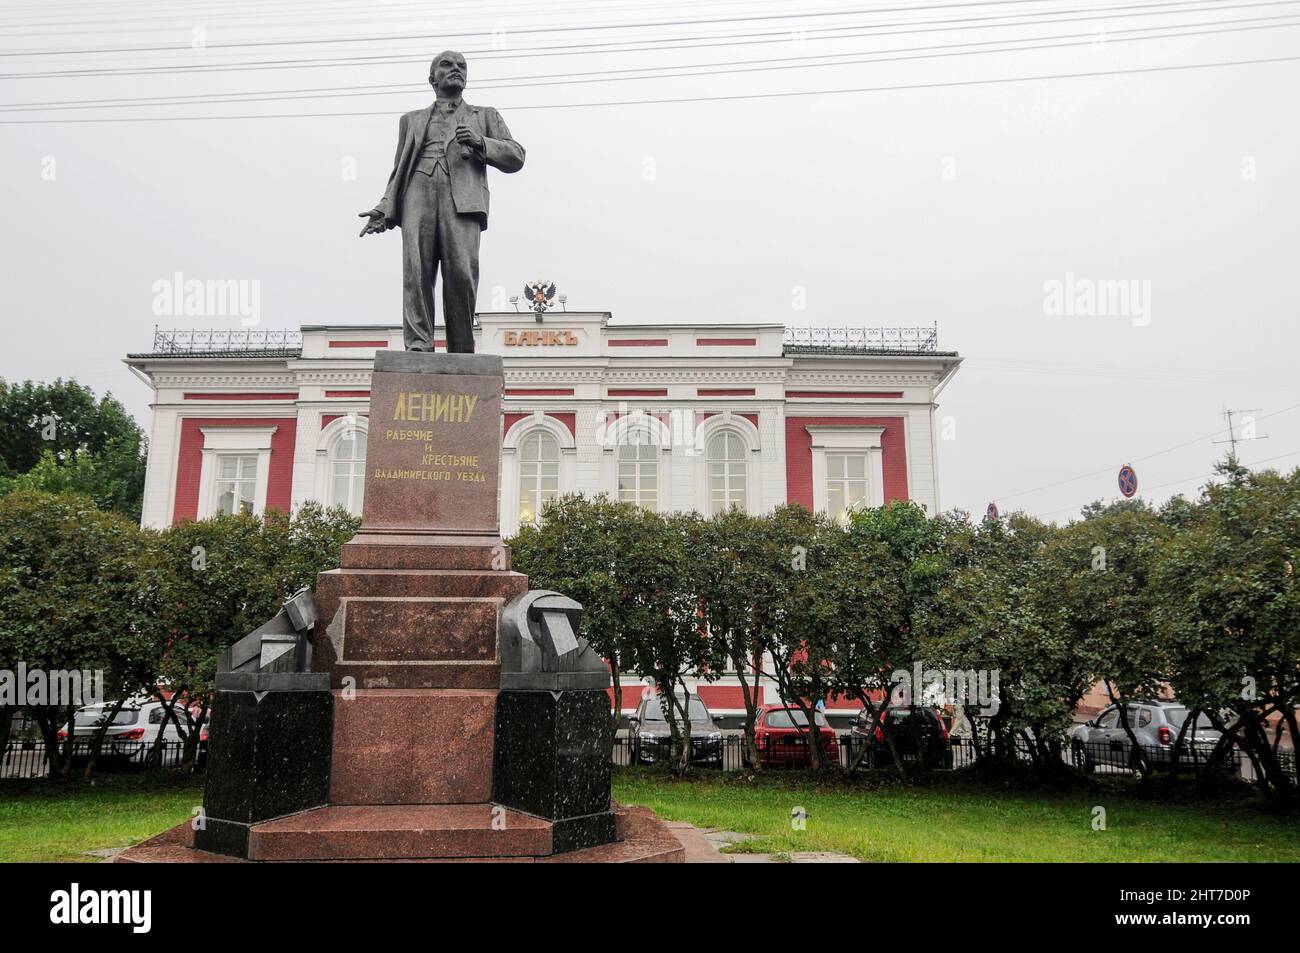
(864, 338)
(224, 340)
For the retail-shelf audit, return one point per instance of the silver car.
(1156, 726)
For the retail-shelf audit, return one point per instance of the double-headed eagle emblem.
(539, 295)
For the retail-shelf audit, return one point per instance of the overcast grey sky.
(944, 203)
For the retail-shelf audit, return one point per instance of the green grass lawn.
(43, 822)
(956, 821)
(945, 820)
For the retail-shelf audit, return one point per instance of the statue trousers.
(434, 234)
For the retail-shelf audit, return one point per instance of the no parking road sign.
(1128, 480)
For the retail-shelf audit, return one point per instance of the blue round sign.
(1128, 480)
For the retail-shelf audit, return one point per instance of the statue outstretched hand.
(376, 224)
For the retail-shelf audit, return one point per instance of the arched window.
(638, 470)
(348, 470)
(726, 459)
(539, 474)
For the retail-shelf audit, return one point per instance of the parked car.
(131, 733)
(1155, 724)
(918, 731)
(781, 735)
(651, 738)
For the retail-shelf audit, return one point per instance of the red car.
(781, 734)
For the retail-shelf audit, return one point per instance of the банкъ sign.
(539, 338)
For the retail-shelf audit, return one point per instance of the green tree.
(580, 548)
(220, 578)
(74, 596)
(58, 437)
(985, 619)
(1095, 587)
(732, 578)
(805, 611)
(1226, 603)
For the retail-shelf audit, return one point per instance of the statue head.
(448, 73)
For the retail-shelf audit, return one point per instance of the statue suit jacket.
(469, 187)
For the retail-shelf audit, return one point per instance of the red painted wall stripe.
(347, 393)
(726, 342)
(637, 342)
(383, 343)
(281, 395)
(798, 455)
(630, 392)
(538, 392)
(631, 696)
(724, 392)
(726, 696)
(189, 464)
(851, 394)
(569, 420)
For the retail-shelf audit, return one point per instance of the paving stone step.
(400, 832)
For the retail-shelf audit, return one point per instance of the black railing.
(729, 752)
(28, 759)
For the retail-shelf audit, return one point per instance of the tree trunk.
(97, 742)
(749, 694)
(616, 716)
(192, 739)
(1138, 757)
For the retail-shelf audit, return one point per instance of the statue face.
(448, 72)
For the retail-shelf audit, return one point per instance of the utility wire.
(685, 42)
(1149, 456)
(620, 75)
(1161, 486)
(699, 99)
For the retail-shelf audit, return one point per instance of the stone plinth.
(552, 760)
(269, 755)
(433, 464)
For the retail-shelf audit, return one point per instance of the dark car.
(919, 734)
(651, 738)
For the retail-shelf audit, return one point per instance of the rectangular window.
(846, 482)
(236, 483)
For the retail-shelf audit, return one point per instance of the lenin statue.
(438, 195)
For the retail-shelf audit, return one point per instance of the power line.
(1161, 486)
(644, 24)
(697, 99)
(1149, 456)
(621, 75)
(686, 42)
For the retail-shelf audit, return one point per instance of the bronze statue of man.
(438, 194)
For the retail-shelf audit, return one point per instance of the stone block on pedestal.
(268, 754)
(552, 761)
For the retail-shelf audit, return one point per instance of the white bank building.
(672, 417)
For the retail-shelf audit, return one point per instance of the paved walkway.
(704, 846)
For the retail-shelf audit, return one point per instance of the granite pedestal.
(268, 755)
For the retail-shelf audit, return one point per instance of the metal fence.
(729, 752)
(28, 759)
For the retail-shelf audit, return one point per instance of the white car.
(132, 732)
